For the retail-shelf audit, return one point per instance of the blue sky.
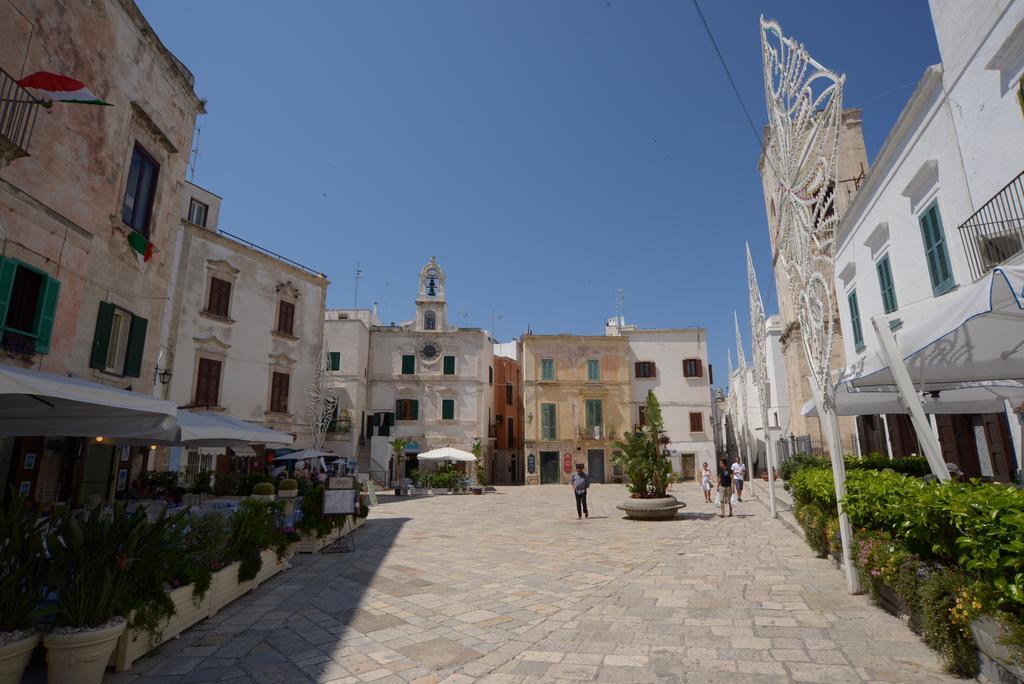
(547, 153)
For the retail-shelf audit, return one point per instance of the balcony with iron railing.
(995, 233)
(18, 111)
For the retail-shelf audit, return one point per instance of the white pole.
(831, 424)
(909, 397)
(1015, 432)
(888, 440)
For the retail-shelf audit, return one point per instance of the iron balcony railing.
(995, 233)
(18, 111)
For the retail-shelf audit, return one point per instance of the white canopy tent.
(33, 403)
(447, 454)
(982, 399)
(973, 341)
(303, 454)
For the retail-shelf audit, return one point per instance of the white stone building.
(347, 341)
(428, 381)
(938, 210)
(682, 385)
(248, 327)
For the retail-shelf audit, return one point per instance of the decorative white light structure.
(320, 408)
(743, 396)
(759, 336)
(804, 101)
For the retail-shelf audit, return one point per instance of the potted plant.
(104, 567)
(23, 566)
(287, 489)
(264, 491)
(649, 472)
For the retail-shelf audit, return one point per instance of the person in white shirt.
(739, 474)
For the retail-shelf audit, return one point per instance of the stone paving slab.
(511, 587)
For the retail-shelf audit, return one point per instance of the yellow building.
(577, 404)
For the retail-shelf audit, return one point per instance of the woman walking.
(724, 487)
(705, 482)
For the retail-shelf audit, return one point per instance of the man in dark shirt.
(724, 487)
(580, 483)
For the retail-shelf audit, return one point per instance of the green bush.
(287, 485)
(225, 484)
(814, 485)
(798, 462)
(916, 466)
(263, 489)
(203, 540)
(24, 563)
(255, 526)
(814, 520)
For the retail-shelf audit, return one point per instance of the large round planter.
(14, 657)
(663, 508)
(262, 497)
(287, 493)
(80, 657)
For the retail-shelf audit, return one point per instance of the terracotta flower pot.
(81, 657)
(14, 655)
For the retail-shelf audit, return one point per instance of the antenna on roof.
(357, 274)
(620, 306)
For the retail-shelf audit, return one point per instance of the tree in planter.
(481, 468)
(647, 470)
(398, 445)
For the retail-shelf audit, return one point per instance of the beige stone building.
(78, 183)
(852, 168)
(576, 398)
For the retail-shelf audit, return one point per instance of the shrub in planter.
(23, 568)
(203, 540)
(798, 462)
(263, 489)
(287, 488)
(225, 484)
(255, 526)
(202, 483)
(104, 567)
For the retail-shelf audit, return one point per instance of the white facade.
(347, 343)
(750, 430)
(225, 358)
(683, 389)
(778, 388)
(428, 346)
(958, 142)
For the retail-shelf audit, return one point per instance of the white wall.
(245, 342)
(778, 388)
(351, 338)
(678, 395)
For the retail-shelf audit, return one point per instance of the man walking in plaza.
(580, 483)
(739, 473)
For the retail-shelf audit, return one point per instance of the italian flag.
(61, 88)
(143, 247)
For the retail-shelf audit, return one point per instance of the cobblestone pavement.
(511, 587)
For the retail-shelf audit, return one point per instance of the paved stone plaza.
(510, 587)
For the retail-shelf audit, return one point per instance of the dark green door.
(549, 467)
(595, 465)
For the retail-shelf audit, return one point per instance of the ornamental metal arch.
(758, 339)
(743, 395)
(804, 102)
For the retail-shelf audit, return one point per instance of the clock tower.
(431, 308)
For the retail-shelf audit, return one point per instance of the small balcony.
(18, 111)
(995, 233)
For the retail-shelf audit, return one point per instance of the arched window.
(430, 321)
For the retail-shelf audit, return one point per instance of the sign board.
(531, 464)
(413, 447)
(567, 463)
(339, 501)
(339, 483)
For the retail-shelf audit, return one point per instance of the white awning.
(304, 454)
(446, 454)
(212, 430)
(982, 399)
(969, 336)
(35, 403)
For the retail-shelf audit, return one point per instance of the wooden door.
(997, 434)
(595, 465)
(549, 467)
(956, 438)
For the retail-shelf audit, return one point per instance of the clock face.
(429, 351)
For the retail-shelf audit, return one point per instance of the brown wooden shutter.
(700, 367)
(636, 369)
(696, 422)
(279, 393)
(286, 318)
(208, 383)
(653, 370)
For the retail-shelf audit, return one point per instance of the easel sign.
(339, 502)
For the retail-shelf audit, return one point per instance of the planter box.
(271, 566)
(437, 491)
(287, 493)
(135, 643)
(226, 587)
(994, 657)
(418, 491)
(312, 544)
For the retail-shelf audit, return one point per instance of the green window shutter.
(593, 370)
(136, 345)
(448, 409)
(449, 365)
(858, 335)
(594, 411)
(936, 253)
(415, 410)
(335, 361)
(408, 364)
(8, 267)
(547, 369)
(398, 412)
(885, 284)
(47, 312)
(547, 417)
(101, 338)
